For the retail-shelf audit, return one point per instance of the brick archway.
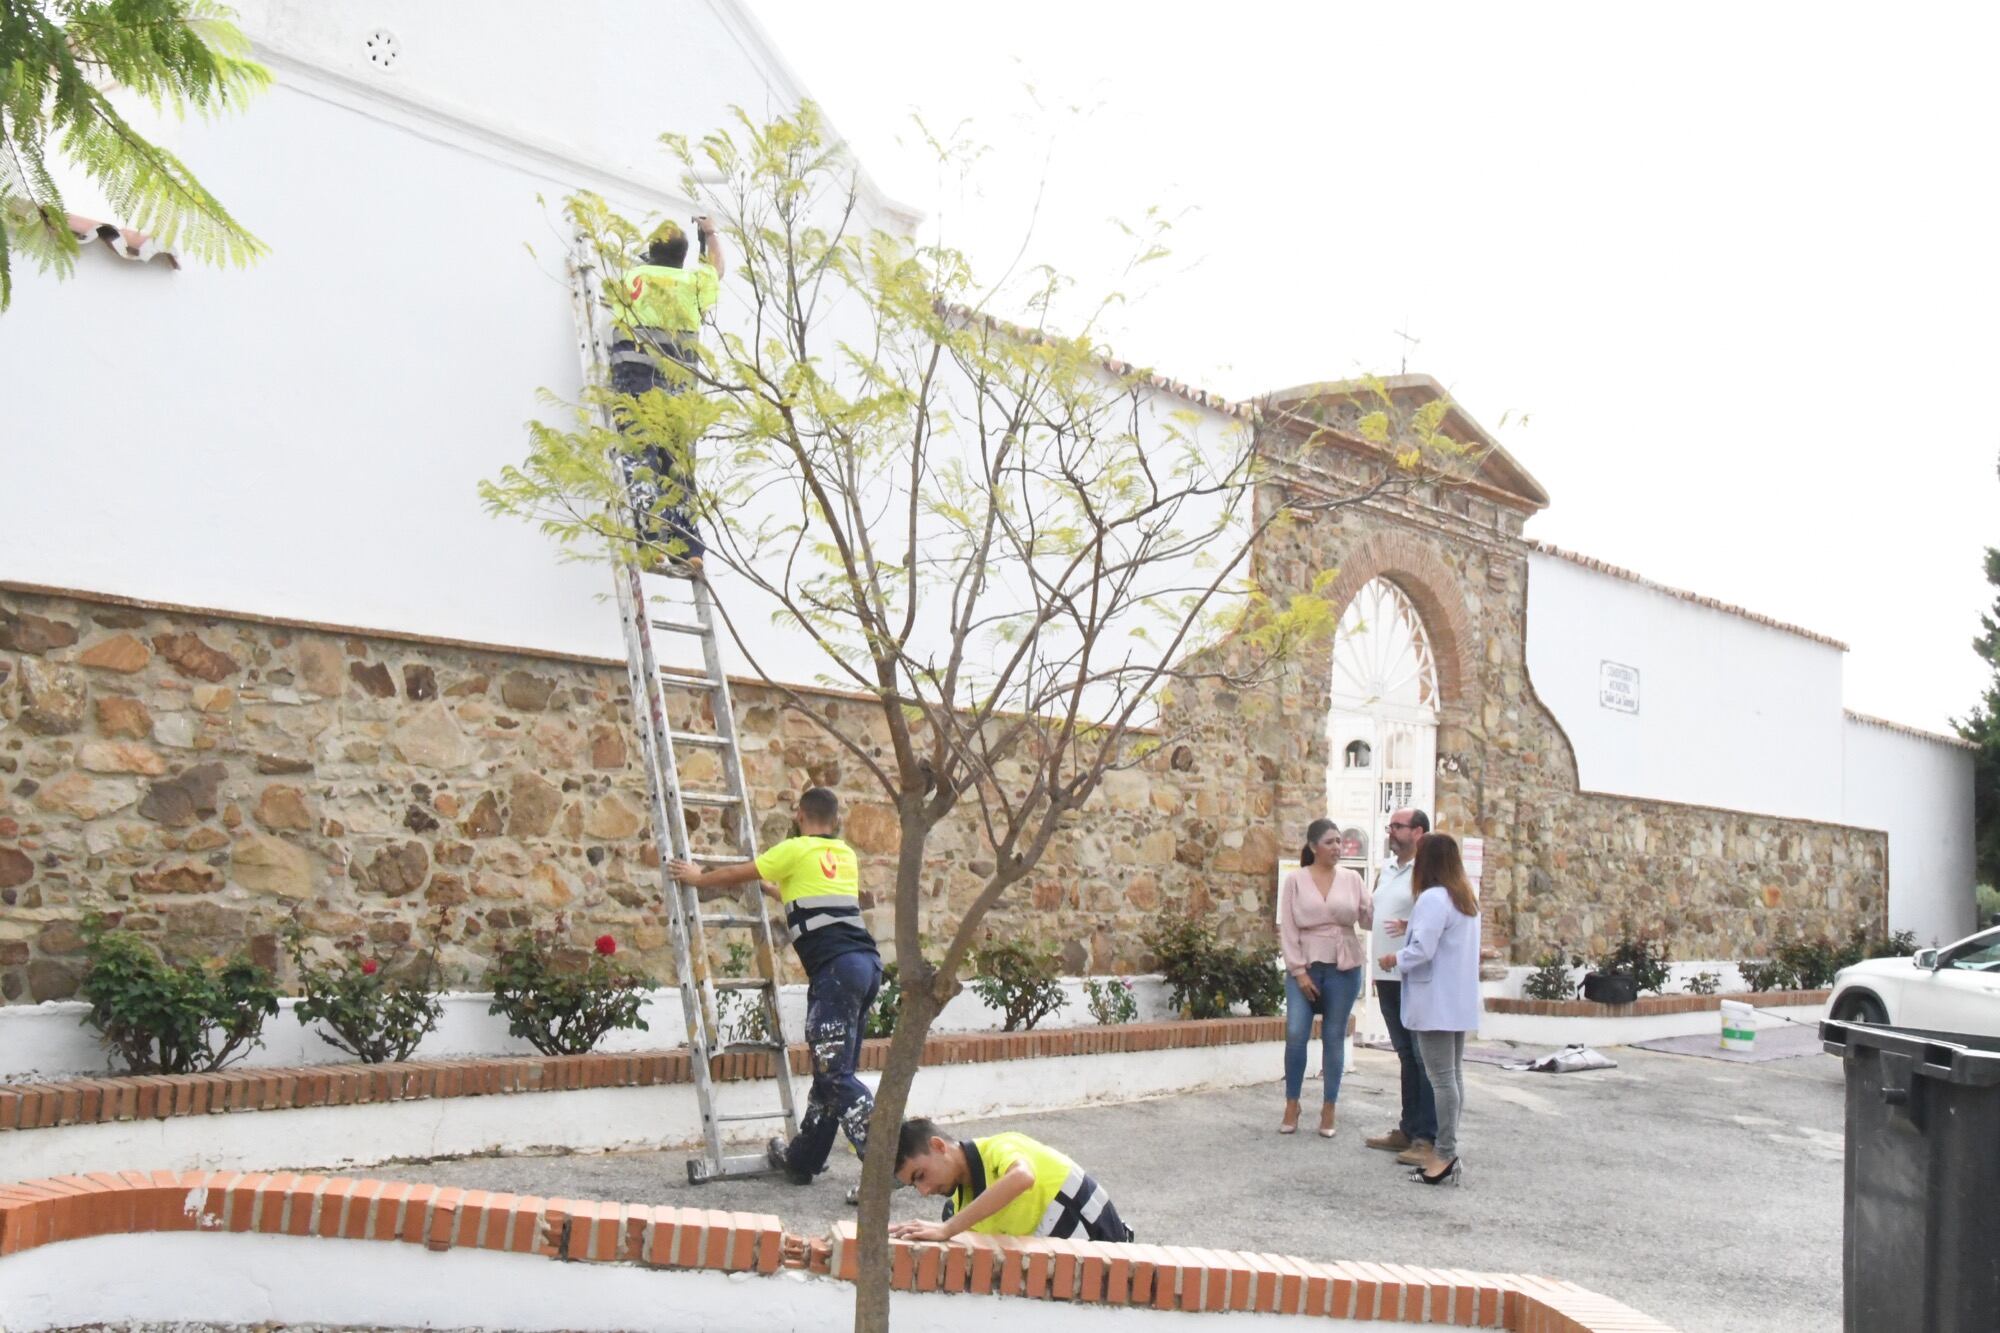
(1432, 588)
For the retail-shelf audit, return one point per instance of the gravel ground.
(1706, 1194)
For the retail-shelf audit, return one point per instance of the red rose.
(368, 967)
(606, 945)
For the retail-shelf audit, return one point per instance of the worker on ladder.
(658, 314)
(818, 880)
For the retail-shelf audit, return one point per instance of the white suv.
(1953, 989)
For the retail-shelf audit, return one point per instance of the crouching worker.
(1001, 1185)
(818, 881)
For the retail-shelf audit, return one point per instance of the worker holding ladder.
(658, 314)
(818, 880)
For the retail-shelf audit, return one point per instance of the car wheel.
(1862, 1009)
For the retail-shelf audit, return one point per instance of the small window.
(1358, 755)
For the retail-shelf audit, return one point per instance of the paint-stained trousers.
(837, 1000)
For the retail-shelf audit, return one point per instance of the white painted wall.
(41, 1042)
(1921, 791)
(245, 1280)
(305, 438)
(603, 1119)
(1731, 713)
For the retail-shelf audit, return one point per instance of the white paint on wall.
(39, 1042)
(1546, 1032)
(601, 1119)
(1730, 713)
(249, 1280)
(1921, 791)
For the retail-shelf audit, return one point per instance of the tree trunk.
(878, 1170)
(919, 1009)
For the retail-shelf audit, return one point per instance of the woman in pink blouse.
(1319, 907)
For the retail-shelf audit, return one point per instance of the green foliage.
(741, 1015)
(1986, 899)
(563, 1002)
(1206, 978)
(1809, 964)
(1703, 983)
(162, 1019)
(1111, 1001)
(58, 59)
(1551, 978)
(881, 1019)
(1647, 961)
(372, 1012)
(1021, 982)
(1982, 728)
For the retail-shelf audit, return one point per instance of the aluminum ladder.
(668, 803)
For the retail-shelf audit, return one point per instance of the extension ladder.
(668, 802)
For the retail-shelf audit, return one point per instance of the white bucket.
(1739, 1026)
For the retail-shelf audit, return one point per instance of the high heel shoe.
(1449, 1176)
(1290, 1124)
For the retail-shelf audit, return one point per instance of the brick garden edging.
(1653, 1004)
(46, 1212)
(164, 1096)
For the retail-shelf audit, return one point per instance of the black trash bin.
(1923, 1179)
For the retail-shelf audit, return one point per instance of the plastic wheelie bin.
(1920, 1251)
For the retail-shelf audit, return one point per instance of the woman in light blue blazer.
(1439, 965)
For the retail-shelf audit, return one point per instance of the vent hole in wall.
(382, 49)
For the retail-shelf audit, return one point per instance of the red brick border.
(46, 1212)
(1652, 1004)
(164, 1096)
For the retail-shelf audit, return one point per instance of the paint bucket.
(1739, 1026)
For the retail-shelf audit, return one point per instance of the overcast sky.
(1734, 264)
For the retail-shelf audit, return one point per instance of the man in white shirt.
(1411, 1139)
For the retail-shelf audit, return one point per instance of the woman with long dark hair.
(1439, 965)
(1319, 906)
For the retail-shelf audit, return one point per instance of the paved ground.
(1706, 1194)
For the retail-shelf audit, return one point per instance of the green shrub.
(1206, 978)
(1810, 963)
(1648, 962)
(1112, 1002)
(881, 1020)
(1770, 975)
(163, 1019)
(1022, 983)
(563, 1006)
(1551, 979)
(369, 1011)
(1703, 983)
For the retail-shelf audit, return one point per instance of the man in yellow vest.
(817, 879)
(1001, 1185)
(658, 313)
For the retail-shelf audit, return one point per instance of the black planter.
(1610, 987)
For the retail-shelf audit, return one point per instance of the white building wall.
(1731, 713)
(1921, 791)
(305, 438)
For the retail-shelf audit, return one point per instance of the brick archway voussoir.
(1432, 587)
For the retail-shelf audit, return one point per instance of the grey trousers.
(1443, 1055)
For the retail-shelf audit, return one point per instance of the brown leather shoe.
(1394, 1141)
(1417, 1154)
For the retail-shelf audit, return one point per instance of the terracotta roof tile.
(124, 242)
(1938, 736)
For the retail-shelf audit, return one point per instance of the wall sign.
(1618, 687)
(1472, 851)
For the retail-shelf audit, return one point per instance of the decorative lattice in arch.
(1382, 661)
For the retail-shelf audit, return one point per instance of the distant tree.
(59, 62)
(1982, 728)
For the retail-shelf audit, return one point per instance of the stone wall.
(209, 777)
(1561, 865)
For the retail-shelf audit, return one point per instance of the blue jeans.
(837, 1000)
(1420, 1117)
(1337, 992)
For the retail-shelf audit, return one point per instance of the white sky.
(1737, 263)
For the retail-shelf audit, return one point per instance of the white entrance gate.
(1383, 722)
